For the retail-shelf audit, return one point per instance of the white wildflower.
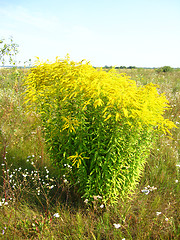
(146, 191)
(56, 215)
(117, 225)
(158, 213)
(97, 197)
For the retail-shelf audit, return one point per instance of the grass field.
(34, 204)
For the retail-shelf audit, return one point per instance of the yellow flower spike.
(109, 116)
(70, 124)
(65, 126)
(77, 158)
(117, 116)
(125, 111)
(98, 102)
(85, 104)
(104, 111)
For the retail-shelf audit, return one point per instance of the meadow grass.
(35, 204)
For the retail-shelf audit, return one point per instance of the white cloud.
(22, 17)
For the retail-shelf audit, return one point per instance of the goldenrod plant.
(99, 126)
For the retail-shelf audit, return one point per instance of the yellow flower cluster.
(77, 158)
(116, 95)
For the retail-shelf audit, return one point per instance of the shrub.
(99, 126)
(164, 69)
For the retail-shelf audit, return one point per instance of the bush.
(99, 126)
(165, 69)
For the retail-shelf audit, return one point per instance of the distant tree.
(107, 67)
(121, 67)
(164, 69)
(131, 67)
(8, 51)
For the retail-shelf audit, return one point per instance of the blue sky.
(142, 33)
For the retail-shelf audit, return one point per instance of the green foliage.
(121, 67)
(8, 51)
(98, 126)
(131, 67)
(165, 69)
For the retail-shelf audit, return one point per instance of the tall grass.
(34, 204)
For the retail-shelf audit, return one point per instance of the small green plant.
(98, 125)
(37, 225)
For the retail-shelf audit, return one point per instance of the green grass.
(31, 193)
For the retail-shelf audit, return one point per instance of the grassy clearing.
(34, 204)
